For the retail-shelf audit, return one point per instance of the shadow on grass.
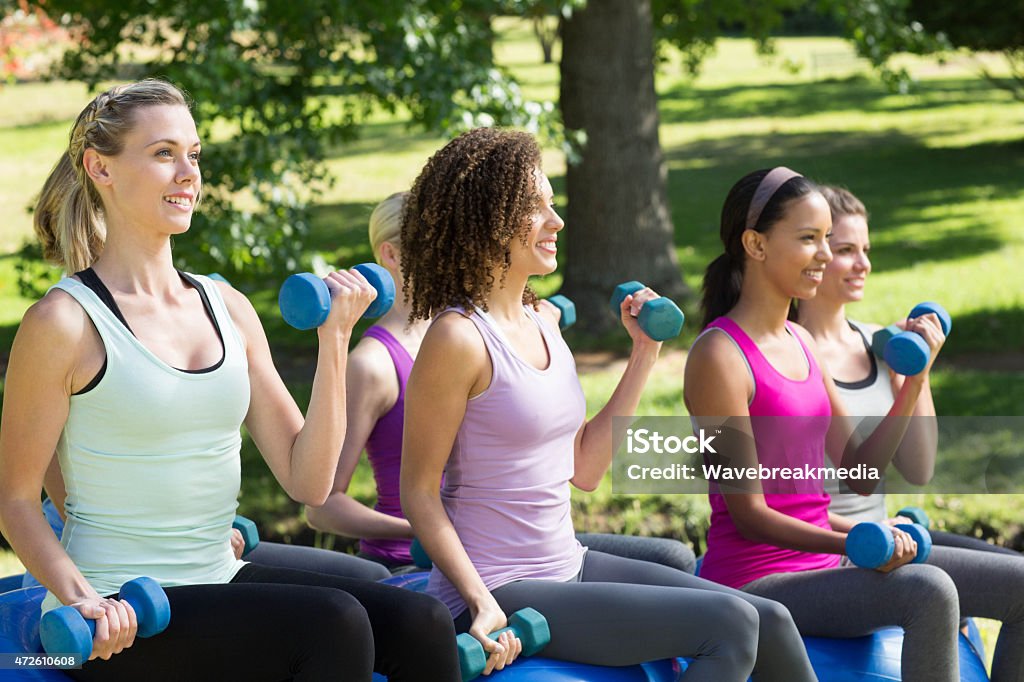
(897, 177)
(686, 103)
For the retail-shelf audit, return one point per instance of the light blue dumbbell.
(907, 353)
(660, 319)
(870, 545)
(250, 534)
(305, 300)
(65, 631)
(567, 309)
(527, 624)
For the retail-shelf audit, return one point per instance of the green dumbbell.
(567, 309)
(419, 555)
(527, 624)
(660, 318)
(250, 535)
(881, 337)
(915, 514)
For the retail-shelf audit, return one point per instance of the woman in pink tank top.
(494, 404)
(782, 542)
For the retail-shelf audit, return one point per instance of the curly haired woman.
(495, 404)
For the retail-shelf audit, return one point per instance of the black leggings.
(279, 624)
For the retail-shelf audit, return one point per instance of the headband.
(766, 189)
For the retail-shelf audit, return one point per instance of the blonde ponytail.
(68, 217)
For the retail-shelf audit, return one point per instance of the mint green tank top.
(151, 460)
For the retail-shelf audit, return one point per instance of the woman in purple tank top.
(386, 353)
(378, 369)
(494, 404)
(765, 374)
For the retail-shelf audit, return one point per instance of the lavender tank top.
(384, 450)
(506, 488)
(732, 559)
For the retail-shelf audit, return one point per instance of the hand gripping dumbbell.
(250, 535)
(915, 514)
(527, 624)
(65, 631)
(907, 353)
(660, 318)
(567, 309)
(870, 545)
(305, 300)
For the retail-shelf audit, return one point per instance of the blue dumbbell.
(250, 534)
(660, 319)
(915, 514)
(219, 277)
(870, 545)
(65, 631)
(907, 353)
(305, 300)
(567, 309)
(527, 624)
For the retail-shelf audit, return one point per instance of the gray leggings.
(623, 611)
(664, 551)
(925, 599)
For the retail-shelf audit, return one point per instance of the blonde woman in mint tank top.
(140, 377)
(989, 579)
(495, 406)
(764, 373)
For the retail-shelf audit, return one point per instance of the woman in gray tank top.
(989, 579)
(494, 404)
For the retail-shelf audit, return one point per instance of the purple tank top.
(384, 450)
(732, 559)
(506, 488)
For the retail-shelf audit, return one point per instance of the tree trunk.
(618, 226)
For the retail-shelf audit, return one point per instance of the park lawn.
(938, 168)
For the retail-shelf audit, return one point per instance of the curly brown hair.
(469, 202)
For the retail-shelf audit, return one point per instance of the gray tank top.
(867, 400)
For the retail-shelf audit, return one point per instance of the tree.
(981, 26)
(621, 228)
(277, 83)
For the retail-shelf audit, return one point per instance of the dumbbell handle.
(65, 630)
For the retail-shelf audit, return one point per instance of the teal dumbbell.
(660, 319)
(419, 555)
(250, 534)
(305, 300)
(65, 631)
(881, 337)
(527, 624)
(567, 309)
(870, 545)
(907, 353)
(915, 514)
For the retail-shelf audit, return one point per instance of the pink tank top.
(384, 450)
(731, 559)
(506, 487)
